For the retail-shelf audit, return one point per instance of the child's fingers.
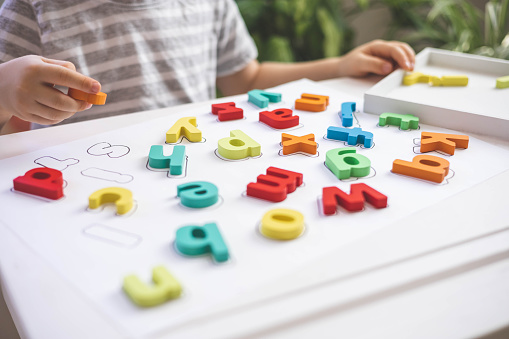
(410, 53)
(53, 98)
(62, 76)
(44, 115)
(391, 51)
(66, 64)
(374, 64)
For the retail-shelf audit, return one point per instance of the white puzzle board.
(479, 107)
(71, 239)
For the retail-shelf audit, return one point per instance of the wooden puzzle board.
(73, 240)
(479, 107)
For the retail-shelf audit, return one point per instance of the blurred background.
(300, 30)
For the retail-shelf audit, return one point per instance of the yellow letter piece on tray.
(165, 287)
(184, 126)
(312, 102)
(121, 197)
(449, 80)
(238, 146)
(282, 224)
(503, 82)
(416, 77)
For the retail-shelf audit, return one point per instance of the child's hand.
(378, 57)
(26, 89)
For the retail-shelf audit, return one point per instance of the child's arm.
(378, 57)
(27, 93)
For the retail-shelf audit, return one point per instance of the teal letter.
(175, 162)
(196, 240)
(198, 194)
(261, 98)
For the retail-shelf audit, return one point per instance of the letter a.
(238, 146)
(44, 182)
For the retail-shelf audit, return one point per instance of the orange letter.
(312, 102)
(446, 143)
(427, 167)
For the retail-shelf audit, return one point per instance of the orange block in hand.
(446, 143)
(427, 167)
(292, 144)
(312, 102)
(94, 99)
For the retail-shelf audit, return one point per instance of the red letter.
(275, 185)
(227, 111)
(279, 118)
(333, 196)
(44, 182)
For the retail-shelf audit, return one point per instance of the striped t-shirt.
(146, 54)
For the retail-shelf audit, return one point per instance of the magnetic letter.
(312, 102)
(427, 167)
(279, 118)
(415, 77)
(293, 144)
(502, 82)
(44, 182)
(449, 80)
(121, 197)
(282, 224)
(198, 194)
(333, 196)
(404, 121)
(196, 240)
(261, 98)
(238, 146)
(347, 109)
(352, 136)
(275, 185)
(165, 287)
(227, 111)
(446, 143)
(174, 162)
(346, 163)
(184, 126)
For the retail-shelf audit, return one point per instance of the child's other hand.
(378, 57)
(26, 89)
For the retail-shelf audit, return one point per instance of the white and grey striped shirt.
(147, 54)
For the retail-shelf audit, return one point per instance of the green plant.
(496, 37)
(451, 24)
(297, 30)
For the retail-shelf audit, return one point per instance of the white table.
(422, 277)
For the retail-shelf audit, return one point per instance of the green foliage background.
(299, 30)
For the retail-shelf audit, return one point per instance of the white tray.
(479, 107)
